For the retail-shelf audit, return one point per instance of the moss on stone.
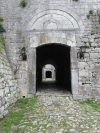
(2, 42)
(1, 19)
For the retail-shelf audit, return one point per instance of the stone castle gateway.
(53, 27)
(65, 34)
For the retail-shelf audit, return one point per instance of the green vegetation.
(97, 27)
(44, 79)
(23, 4)
(53, 79)
(95, 105)
(1, 19)
(2, 29)
(88, 16)
(90, 44)
(14, 117)
(2, 42)
(91, 11)
(85, 47)
(75, 0)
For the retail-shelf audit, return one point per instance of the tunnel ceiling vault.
(50, 53)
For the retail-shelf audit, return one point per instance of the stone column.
(32, 71)
(74, 71)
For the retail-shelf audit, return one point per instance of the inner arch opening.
(59, 56)
(48, 73)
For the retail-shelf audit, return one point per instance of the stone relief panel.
(52, 19)
(52, 25)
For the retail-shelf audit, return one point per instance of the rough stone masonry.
(73, 24)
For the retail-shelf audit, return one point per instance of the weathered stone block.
(82, 65)
(2, 101)
(83, 92)
(18, 76)
(5, 112)
(24, 75)
(6, 90)
(1, 93)
(1, 115)
(77, 97)
(2, 109)
(74, 75)
(83, 73)
(73, 54)
(21, 81)
(74, 65)
(94, 55)
(97, 50)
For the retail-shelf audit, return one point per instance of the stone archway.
(52, 31)
(48, 71)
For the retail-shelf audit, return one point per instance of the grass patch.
(95, 105)
(11, 118)
(22, 102)
(14, 117)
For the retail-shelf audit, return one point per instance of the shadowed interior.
(59, 56)
(48, 74)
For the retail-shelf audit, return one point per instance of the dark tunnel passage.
(59, 56)
(48, 74)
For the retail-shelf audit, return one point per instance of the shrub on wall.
(2, 29)
(1, 19)
(91, 11)
(88, 16)
(23, 4)
(75, 0)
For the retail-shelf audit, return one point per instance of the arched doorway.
(59, 56)
(48, 73)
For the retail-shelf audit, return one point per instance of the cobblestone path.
(59, 114)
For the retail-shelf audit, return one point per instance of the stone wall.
(9, 89)
(22, 31)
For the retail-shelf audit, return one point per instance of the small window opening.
(23, 96)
